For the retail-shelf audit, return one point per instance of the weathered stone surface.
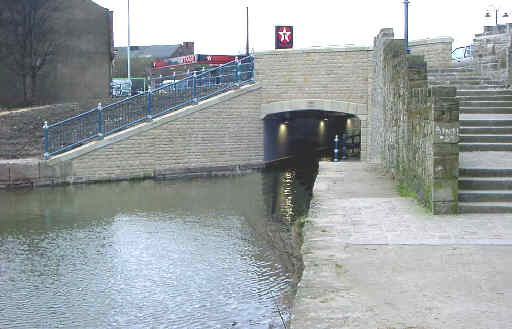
(446, 166)
(445, 149)
(444, 207)
(5, 176)
(491, 53)
(445, 189)
(446, 132)
(24, 172)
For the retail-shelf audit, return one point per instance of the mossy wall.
(414, 128)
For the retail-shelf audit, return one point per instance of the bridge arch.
(292, 127)
(329, 105)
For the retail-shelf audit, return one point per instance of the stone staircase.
(485, 173)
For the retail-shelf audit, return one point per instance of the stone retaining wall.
(414, 129)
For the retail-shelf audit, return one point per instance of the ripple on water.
(132, 255)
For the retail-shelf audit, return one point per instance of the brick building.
(82, 65)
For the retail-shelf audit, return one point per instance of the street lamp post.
(496, 11)
(128, 48)
(406, 31)
(247, 43)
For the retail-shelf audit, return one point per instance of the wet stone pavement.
(376, 260)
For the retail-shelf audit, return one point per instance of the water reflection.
(200, 253)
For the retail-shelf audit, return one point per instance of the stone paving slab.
(376, 260)
(495, 160)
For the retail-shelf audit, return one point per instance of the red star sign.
(284, 35)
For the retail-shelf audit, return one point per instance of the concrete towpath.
(376, 260)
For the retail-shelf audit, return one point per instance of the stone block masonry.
(333, 74)
(492, 53)
(222, 132)
(415, 129)
(437, 52)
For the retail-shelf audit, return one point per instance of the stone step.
(485, 196)
(485, 183)
(466, 87)
(488, 92)
(488, 98)
(485, 147)
(463, 82)
(458, 77)
(484, 208)
(495, 138)
(478, 103)
(485, 110)
(481, 123)
(492, 130)
(460, 69)
(458, 74)
(485, 172)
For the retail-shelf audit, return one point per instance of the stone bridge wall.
(317, 76)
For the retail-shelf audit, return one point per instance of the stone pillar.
(445, 109)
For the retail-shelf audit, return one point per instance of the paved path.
(376, 260)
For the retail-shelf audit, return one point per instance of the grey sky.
(218, 27)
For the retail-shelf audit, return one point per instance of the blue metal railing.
(103, 121)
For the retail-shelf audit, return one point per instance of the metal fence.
(103, 121)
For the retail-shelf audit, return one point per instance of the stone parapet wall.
(414, 128)
(445, 150)
(437, 52)
(492, 53)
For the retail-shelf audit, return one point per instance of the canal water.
(215, 252)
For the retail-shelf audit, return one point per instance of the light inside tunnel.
(321, 128)
(283, 132)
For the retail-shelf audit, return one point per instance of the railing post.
(237, 73)
(343, 147)
(149, 115)
(336, 149)
(100, 121)
(46, 154)
(194, 82)
(252, 68)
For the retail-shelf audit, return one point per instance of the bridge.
(269, 106)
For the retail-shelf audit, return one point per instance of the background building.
(81, 66)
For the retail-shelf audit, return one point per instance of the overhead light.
(326, 119)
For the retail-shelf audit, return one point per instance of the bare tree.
(29, 40)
